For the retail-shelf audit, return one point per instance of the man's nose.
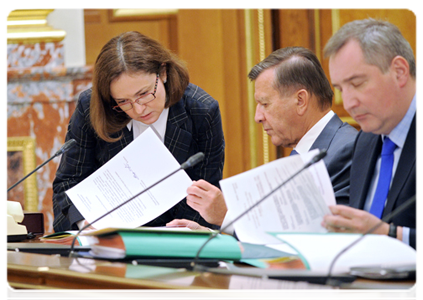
(258, 117)
(349, 99)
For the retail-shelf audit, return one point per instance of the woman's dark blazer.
(194, 124)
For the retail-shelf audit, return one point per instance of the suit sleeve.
(75, 165)
(338, 163)
(211, 142)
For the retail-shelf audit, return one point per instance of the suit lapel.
(367, 150)
(325, 137)
(405, 166)
(178, 135)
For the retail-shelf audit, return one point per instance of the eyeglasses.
(143, 100)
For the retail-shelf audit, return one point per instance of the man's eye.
(357, 84)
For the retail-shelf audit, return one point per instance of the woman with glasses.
(138, 83)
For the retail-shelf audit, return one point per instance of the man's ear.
(401, 69)
(303, 100)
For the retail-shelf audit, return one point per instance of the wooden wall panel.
(296, 28)
(211, 43)
(101, 26)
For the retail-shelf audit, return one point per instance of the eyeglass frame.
(119, 109)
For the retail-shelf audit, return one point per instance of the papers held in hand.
(114, 243)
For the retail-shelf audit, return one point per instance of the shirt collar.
(399, 133)
(159, 126)
(310, 137)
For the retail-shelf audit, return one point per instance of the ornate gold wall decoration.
(28, 26)
(25, 148)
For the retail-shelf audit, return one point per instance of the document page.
(298, 206)
(142, 163)
(318, 250)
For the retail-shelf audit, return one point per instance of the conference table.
(53, 271)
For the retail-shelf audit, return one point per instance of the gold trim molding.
(143, 12)
(29, 26)
(249, 51)
(336, 24)
(121, 15)
(262, 57)
(27, 146)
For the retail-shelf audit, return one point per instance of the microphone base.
(16, 237)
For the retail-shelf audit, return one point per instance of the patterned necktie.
(385, 176)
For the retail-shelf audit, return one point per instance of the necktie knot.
(388, 146)
(293, 152)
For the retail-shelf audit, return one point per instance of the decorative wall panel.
(41, 97)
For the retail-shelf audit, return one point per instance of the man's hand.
(352, 220)
(208, 201)
(186, 223)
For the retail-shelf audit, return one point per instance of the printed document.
(298, 206)
(139, 165)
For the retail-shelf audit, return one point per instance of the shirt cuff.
(406, 235)
(80, 224)
(230, 230)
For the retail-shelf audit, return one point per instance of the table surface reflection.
(29, 270)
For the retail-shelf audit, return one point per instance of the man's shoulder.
(341, 130)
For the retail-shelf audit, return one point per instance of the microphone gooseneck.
(314, 160)
(387, 218)
(193, 160)
(69, 144)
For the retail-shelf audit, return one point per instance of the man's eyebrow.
(349, 79)
(353, 77)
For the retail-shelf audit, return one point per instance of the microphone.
(314, 160)
(66, 146)
(386, 219)
(193, 160)
(190, 162)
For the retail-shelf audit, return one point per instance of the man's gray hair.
(379, 40)
(296, 68)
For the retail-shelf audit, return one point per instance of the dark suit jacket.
(338, 139)
(366, 152)
(193, 125)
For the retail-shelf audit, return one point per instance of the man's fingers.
(337, 223)
(345, 211)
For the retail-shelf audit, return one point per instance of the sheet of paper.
(318, 250)
(298, 206)
(141, 164)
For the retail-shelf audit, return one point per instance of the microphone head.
(69, 144)
(193, 160)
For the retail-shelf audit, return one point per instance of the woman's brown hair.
(131, 52)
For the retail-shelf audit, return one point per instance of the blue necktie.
(293, 152)
(385, 176)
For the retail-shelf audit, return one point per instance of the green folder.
(142, 242)
(179, 245)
